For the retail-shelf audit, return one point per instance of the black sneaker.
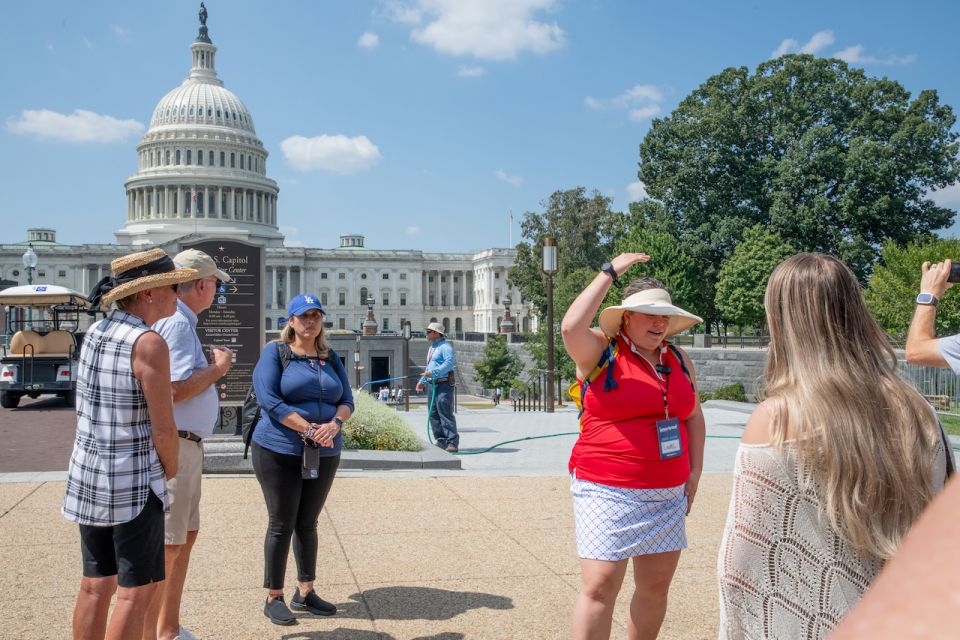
(278, 612)
(312, 603)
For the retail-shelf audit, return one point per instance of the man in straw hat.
(126, 445)
(196, 408)
(441, 362)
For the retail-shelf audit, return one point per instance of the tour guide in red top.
(635, 467)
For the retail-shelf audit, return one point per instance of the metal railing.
(939, 386)
(741, 342)
(533, 395)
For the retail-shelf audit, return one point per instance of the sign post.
(235, 320)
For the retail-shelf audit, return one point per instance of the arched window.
(233, 160)
(167, 161)
(177, 157)
(189, 156)
(241, 161)
(210, 157)
(218, 113)
(363, 296)
(222, 156)
(200, 157)
(458, 325)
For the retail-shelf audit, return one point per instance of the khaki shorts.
(183, 492)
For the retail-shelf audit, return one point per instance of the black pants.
(293, 505)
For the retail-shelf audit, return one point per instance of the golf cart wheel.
(9, 399)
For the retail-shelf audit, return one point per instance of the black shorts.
(132, 551)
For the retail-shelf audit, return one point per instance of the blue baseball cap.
(303, 303)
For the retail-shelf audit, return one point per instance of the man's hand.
(221, 358)
(420, 387)
(934, 277)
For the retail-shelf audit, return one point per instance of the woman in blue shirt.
(303, 403)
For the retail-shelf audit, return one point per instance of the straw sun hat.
(655, 302)
(138, 272)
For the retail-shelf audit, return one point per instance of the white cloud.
(644, 112)
(471, 72)
(855, 55)
(413, 231)
(636, 191)
(368, 40)
(506, 177)
(123, 34)
(334, 154)
(949, 196)
(819, 40)
(401, 12)
(641, 101)
(484, 29)
(79, 126)
(288, 240)
(87, 43)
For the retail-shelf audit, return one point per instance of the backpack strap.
(683, 365)
(606, 361)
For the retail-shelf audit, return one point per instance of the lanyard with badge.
(668, 429)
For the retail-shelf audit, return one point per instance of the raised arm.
(922, 345)
(583, 343)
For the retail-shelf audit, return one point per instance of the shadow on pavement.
(361, 634)
(50, 403)
(418, 603)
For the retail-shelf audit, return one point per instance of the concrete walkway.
(486, 551)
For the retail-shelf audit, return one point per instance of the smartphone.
(954, 273)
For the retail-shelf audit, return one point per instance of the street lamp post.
(406, 365)
(370, 324)
(549, 268)
(356, 361)
(30, 263)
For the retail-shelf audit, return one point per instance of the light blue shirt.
(441, 362)
(198, 414)
(950, 350)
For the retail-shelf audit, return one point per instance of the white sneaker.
(185, 635)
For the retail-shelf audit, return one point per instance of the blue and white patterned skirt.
(615, 523)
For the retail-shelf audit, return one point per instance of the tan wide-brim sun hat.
(141, 271)
(655, 302)
(436, 326)
(204, 265)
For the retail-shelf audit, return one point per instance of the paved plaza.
(484, 552)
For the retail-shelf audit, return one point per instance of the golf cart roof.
(42, 295)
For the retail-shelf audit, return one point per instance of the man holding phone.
(923, 346)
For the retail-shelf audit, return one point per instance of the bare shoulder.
(757, 430)
(150, 344)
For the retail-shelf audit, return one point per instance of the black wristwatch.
(608, 269)
(338, 421)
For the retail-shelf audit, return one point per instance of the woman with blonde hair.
(305, 398)
(834, 466)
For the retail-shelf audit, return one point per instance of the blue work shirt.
(198, 414)
(307, 387)
(442, 360)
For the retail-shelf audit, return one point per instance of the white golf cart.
(42, 342)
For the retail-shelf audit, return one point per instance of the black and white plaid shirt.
(114, 464)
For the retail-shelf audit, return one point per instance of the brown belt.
(187, 435)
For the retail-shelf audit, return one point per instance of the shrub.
(733, 392)
(374, 425)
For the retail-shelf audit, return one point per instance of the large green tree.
(829, 158)
(895, 283)
(743, 278)
(499, 366)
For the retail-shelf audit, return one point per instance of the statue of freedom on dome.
(203, 15)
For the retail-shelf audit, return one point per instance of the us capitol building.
(202, 172)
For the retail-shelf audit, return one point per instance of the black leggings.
(293, 504)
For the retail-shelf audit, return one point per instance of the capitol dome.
(201, 167)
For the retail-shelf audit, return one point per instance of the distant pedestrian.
(126, 445)
(296, 450)
(393, 395)
(196, 409)
(441, 363)
(400, 395)
(496, 396)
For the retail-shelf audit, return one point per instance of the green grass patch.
(374, 425)
(951, 424)
(734, 392)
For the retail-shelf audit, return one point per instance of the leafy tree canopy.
(831, 159)
(499, 366)
(743, 279)
(895, 283)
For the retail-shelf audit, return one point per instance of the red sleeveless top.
(618, 443)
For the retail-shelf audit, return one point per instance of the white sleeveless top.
(783, 573)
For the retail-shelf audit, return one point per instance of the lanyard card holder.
(668, 437)
(310, 469)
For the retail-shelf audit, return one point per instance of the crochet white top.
(783, 573)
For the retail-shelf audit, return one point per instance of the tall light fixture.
(356, 361)
(30, 262)
(407, 334)
(549, 268)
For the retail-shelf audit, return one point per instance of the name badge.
(668, 435)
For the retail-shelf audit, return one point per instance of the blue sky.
(419, 124)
